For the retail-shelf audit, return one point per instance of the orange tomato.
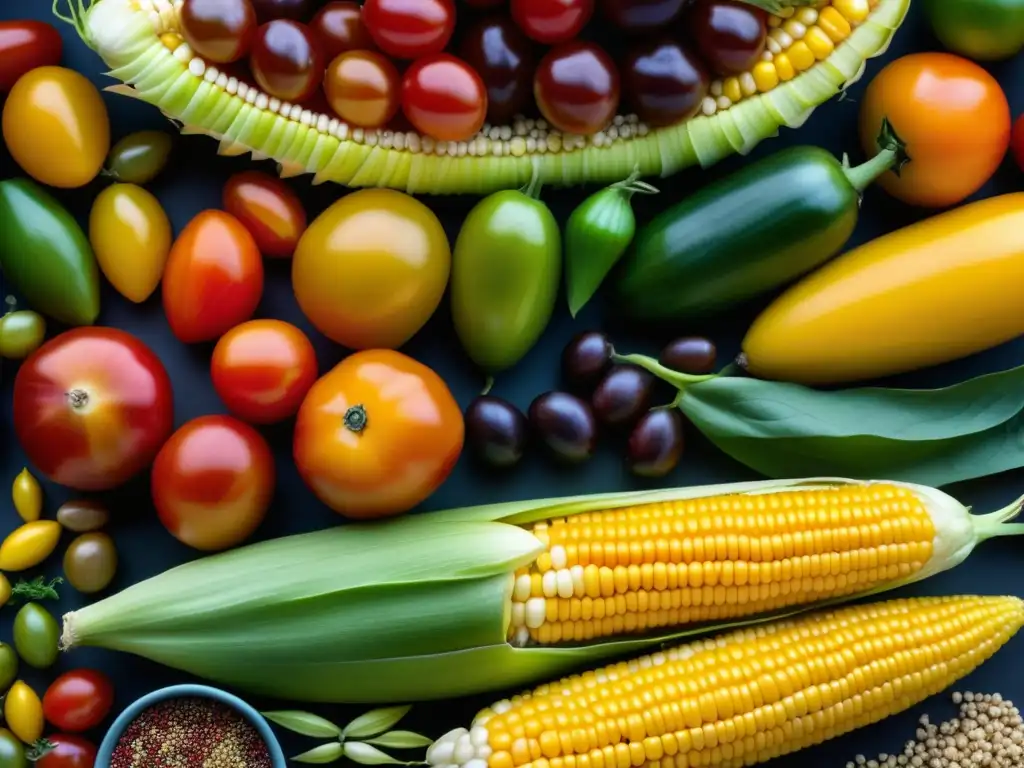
(377, 435)
(269, 209)
(954, 119)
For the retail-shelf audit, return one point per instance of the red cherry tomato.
(269, 209)
(68, 752)
(92, 407)
(78, 700)
(408, 29)
(286, 60)
(213, 279)
(340, 27)
(552, 21)
(263, 369)
(212, 482)
(576, 86)
(444, 97)
(1018, 141)
(26, 45)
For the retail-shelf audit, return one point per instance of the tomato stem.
(78, 398)
(355, 418)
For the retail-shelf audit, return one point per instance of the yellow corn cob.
(742, 698)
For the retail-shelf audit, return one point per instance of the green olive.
(12, 751)
(21, 333)
(139, 157)
(82, 515)
(8, 667)
(90, 562)
(36, 634)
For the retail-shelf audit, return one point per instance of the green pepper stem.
(533, 189)
(677, 379)
(892, 156)
(488, 385)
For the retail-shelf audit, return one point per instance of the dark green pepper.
(982, 30)
(747, 234)
(45, 255)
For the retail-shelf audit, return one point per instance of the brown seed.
(82, 515)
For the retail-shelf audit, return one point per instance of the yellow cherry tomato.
(23, 711)
(5, 590)
(131, 236)
(56, 127)
(27, 496)
(29, 545)
(371, 269)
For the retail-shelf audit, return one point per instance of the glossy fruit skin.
(296, 10)
(8, 666)
(286, 60)
(82, 515)
(56, 127)
(12, 751)
(213, 482)
(565, 426)
(78, 700)
(730, 34)
(641, 16)
(269, 209)
(576, 87)
(263, 369)
(953, 117)
(340, 27)
(131, 237)
(371, 269)
(585, 359)
(377, 435)
(69, 751)
(444, 98)
(90, 562)
(36, 634)
(221, 31)
(656, 443)
(21, 333)
(139, 157)
(496, 431)
(502, 55)
(409, 29)
(25, 45)
(825, 329)
(552, 21)
(663, 82)
(92, 407)
(29, 544)
(622, 396)
(506, 270)
(23, 712)
(45, 255)
(689, 354)
(1018, 142)
(213, 280)
(362, 88)
(980, 30)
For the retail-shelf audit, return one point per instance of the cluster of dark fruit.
(600, 395)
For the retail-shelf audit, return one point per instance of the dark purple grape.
(638, 16)
(623, 396)
(663, 82)
(296, 10)
(730, 34)
(503, 56)
(585, 359)
(656, 443)
(496, 430)
(565, 426)
(690, 354)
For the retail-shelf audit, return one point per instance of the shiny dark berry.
(585, 359)
(690, 354)
(565, 425)
(656, 443)
(623, 396)
(496, 430)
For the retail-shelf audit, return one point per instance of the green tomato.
(12, 751)
(982, 30)
(506, 270)
(139, 157)
(36, 634)
(8, 667)
(21, 333)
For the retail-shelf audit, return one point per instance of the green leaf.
(325, 753)
(929, 436)
(400, 740)
(36, 589)
(375, 722)
(364, 754)
(305, 723)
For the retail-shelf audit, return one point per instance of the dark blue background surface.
(193, 183)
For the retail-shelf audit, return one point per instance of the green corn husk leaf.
(409, 609)
(364, 754)
(375, 722)
(304, 723)
(400, 740)
(322, 755)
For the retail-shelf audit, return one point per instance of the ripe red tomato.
(68, 752)
(213, 279)
(26, 45)
(1018, 141)
(92, 407)
(408, 29)
(269, 209)
(213, 481)
(552, 21)
(263, 369)
(78, 700)
(444, 98)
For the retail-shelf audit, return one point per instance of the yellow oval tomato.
(371, 269)
(28, 545)
(23, 711)
(56, 127)
(131, 236)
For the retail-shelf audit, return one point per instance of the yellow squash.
(936, 291)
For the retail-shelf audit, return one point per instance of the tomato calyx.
(77, 398)
(39, 749)
(355, 419)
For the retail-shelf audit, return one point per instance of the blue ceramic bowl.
(106, 750)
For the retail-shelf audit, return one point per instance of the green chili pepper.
(506, 268)
(46, 256)
(747, 234)
(982, 30)
(139, 157)
(598, 232)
